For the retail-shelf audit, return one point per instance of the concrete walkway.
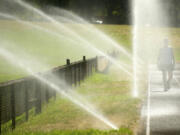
(161, 112)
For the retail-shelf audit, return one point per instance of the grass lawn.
(111, 93)
(49, 49)
(62, 116)
(52, 50)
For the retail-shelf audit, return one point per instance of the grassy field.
(53, 50)
(109, 92)
(123, 131)
(50, 49)
(61, 116)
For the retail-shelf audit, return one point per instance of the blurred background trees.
(108, 11)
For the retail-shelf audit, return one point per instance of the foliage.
(105, 9)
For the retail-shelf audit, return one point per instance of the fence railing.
(17, 97)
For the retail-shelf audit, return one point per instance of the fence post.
(26, 101)
(67, 73)
(0, 108)
(68, 62)
(71, 75)
(75, 74)
(90, 67)
(47, 94)
(79, 73)
(84, 68)
(96, 64)
(13, 113)
(87, 68)
(38, 97)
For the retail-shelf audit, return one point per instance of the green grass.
(111, 95)
(122, 131)
(51, 50)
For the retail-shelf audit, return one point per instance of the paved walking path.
(161, 113)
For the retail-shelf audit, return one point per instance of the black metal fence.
(17, 97)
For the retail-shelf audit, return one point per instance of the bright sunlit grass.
(49, 49)
(111, 94)
(53, 51)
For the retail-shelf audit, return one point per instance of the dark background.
(109, 11)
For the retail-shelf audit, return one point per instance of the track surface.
(161, 112)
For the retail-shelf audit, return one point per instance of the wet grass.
(122, 131)
(49, 49)
(53, 51)
(109, 92)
